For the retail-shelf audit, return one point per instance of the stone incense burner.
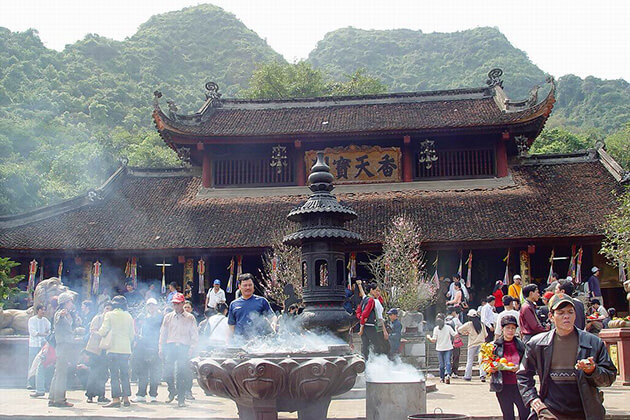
(262, 384)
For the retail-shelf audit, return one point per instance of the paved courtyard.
(471, 398)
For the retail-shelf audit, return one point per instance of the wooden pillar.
(502, 161)
(407, 160)
(206, 170)
(300, 165)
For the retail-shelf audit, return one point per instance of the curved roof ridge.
(91, 196)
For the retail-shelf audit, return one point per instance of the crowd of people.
(152, 343)
(553, 336)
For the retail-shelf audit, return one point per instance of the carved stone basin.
(263, 384)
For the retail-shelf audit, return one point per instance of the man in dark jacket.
(569, 384)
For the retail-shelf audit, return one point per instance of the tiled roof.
(547, 201)
(356, 115)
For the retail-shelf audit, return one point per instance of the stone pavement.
(471, 398)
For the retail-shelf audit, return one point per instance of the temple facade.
(454, 161)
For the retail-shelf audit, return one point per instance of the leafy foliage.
(618, 145)
(66, 118)
(7, 283)
(400, 269)
(616, 243)
(282, 80)
(560, 140)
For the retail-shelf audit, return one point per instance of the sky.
(581, 37)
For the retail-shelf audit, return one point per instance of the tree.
(288, 271)
(560, 140)
(7, 283)
(618, 145)
(277, 80)
(400, 269)
(616, 243)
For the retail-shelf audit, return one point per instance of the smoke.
(289, 337)
(379, 368)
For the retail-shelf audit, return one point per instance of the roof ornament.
(94, 195)
(494, 78)
(533, 96)
(213, 96)
(124, 161)
(156, 99)
(172, 109)
(522, 143)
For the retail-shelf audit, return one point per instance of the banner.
(32, 271)
(436, 276)
(163, 289)
(96, 278)
(189, 273)
(571, 270)
(228, 289)
(60, 269)
(201, 271)
(525, 263)
(578, 268)
(134, 272)
(359, 164)
(553, 252)
(352, 268)
(469, 275)
(506, 275)
(239, 268)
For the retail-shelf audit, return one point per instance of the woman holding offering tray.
(509, 350)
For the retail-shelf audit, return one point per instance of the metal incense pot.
(263, 384)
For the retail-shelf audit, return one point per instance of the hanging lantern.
(522, 144)
(278, 158)
(427, 154)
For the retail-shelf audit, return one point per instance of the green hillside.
(407, 60)
(66, 118)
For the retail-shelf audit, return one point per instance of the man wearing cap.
(515, 288)
(178, 340)
(529, 322)
(571, 365)
(594, 291)
(215, 295)
(145, 353)
(396, 332)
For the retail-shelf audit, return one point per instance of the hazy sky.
(579, 37)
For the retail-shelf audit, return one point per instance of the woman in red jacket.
(498, 296)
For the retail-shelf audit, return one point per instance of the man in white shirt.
(38, 330)
(489, 317)
(215, 295)
(510, 304)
